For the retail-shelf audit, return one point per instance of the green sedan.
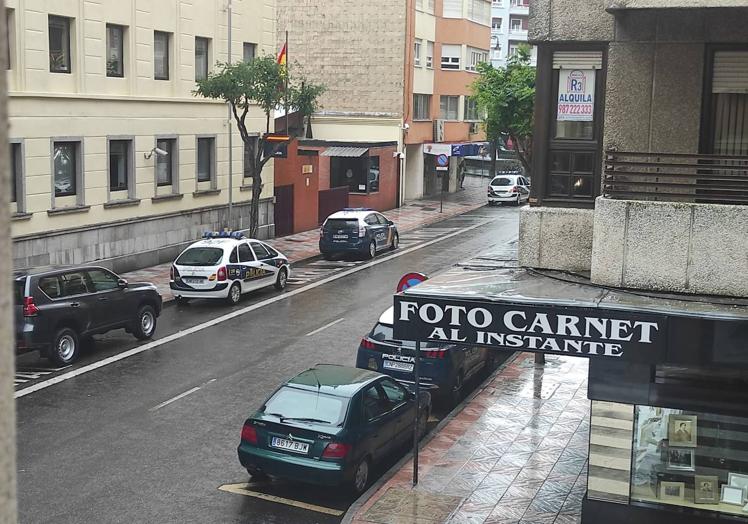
(329, 425)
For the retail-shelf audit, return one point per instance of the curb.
(363, 499)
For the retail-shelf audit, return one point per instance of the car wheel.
(282, 280)
(235, 294)
(65, 347)
(372, 250)
(145, 323)
(361, 476)
(395, 242)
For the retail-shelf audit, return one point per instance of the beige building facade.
(113, 157)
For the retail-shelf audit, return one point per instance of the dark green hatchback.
(329, 425)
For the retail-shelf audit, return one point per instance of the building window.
(66, 168)
(728, 122)
(417, 52)
(471, 110)
(449, 107)
(421, 107)
(451, 56)
(520, 3)
(202, 46)
(205, 159)
(430, 54)
(452, 9)
(16, 174)
(359, 174)
(250, 51)
(572, 174)
(115, 50)
(475, 57)
(166, 164)
(496, 24)
(120, 153)
(9, 47)
(59, 44)
(160, 55)
(479, 11)
(515, 25)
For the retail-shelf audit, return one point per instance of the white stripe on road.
(234, 314)
(174, 399)
(325, 327)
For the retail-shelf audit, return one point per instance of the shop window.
(360, 175)
(690, 459)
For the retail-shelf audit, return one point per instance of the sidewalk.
(515, 453)
(300, 246)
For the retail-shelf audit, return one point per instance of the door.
(266, 268)
(249, 267)
(377, 231)
(283, 211)
(78, 303)
(403, 411)
(378, 427)
(110, 303)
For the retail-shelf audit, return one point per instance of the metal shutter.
(578, 60)
(730, 72)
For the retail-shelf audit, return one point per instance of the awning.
(349, 152)
(460, 149)
(624, 5)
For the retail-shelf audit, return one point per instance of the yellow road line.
(241, 489)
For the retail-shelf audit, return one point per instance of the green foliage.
(506, 97)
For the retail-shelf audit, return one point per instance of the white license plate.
(193, 280)
(398, 366)
(340, 236)
(290, 445)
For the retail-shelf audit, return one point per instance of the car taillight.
(249, 434)
(438, 353)
(171, 273)
(321, 233)
(336, 450)
(221, 274)
(367, 344)
(515, 189)
(29, 308)
(361, 231)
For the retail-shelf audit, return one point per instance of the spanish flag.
(282, 55)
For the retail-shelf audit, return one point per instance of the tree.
(259, 82)
(305, 99)
(506, 96)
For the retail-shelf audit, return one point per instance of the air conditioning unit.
(438, 130)
(474, 128)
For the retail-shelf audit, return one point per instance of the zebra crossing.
(324, 268)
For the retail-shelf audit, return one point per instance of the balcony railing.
(669, 177)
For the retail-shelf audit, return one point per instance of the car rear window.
(384, 333)
(503, 181)
(342, 223)
(201, 256)
(19, 289)
(291, 403)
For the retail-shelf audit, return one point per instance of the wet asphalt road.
(103, 447)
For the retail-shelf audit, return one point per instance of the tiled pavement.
(300, 246)
(516, 453)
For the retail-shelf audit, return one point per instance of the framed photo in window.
(682, 430)
(732, 495)
(672, 490)
(681, 459)
(739, 481)
(706, 489)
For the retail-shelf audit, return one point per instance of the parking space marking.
(241, 489)
(330, 324)
(234, 314)
(180, 396)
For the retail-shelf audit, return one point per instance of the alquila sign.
(560, 330)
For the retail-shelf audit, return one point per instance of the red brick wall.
(289, 171)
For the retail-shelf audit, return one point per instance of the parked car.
(225, 266)
(508, 187)
(329, 425)
(56, 308)
(359, 231)
(444, 368)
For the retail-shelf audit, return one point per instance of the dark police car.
(444, 368)
(359, 231)
(56, 308)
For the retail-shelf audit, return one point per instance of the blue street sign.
(442, 160)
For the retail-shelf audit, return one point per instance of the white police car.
(227, 265)
(359, 231)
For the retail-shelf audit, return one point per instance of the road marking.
(181, 395)
(241, 489)
(234, 314)
(325, 327)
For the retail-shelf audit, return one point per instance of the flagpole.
(288, 131)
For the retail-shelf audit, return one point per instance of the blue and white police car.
(359, 231)
(226, 265)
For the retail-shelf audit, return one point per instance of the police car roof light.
(237, 235)
(358, 209)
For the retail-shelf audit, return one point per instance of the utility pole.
(229, 221)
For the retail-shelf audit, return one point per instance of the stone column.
(7, 364)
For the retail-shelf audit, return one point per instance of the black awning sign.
(584, 332)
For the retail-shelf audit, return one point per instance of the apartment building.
(509, 29)
(397, 76)
(114, 159)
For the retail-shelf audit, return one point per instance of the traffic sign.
(442, 160)
(410, 280)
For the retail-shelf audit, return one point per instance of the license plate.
(340, 236)
(289, 445)
(193, 280)
(398, 366)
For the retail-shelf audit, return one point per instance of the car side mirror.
(122, 283)
(390, 223)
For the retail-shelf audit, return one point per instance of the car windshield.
(292, 403)
(502, 181)
(201, 256)
(19, 288)
(383, 333)
(342, 223)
